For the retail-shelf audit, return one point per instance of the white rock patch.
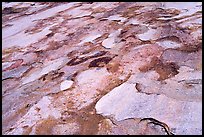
(117, 17)
(66, 84)
(110, 42)
(151, 34)
(125, 102)
(169, 44)
(90, 38)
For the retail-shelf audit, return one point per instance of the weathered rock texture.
(101, 68)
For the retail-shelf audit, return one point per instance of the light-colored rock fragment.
(90, 82)
(151, 34)
(117, 17)
(125, 102)
(133, 21)
(90, 38)
(111, 41)
(66, 84)
(169, 44)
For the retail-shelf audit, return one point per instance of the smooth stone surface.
(151, 34)
(90, 38)
(40, 38)
(50, 66)
(125, 102)
(117, 17)
(109, 43)
(169, 44)
(66, 84)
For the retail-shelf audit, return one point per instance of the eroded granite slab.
(111, 68)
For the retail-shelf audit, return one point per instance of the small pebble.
(66, 84)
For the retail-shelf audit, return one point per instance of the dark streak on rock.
(50, 34)
(51, 75)
(76, 61)
(162, 124)
(71, 77)
(11, 10)
(165, 70)
(100, 61)
(138, 87)
(100, 53)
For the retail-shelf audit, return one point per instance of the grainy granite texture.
(100, 68)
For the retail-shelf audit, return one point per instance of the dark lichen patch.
(165, 70)
(113, 67)
(100, 53)
(57, 75)
(11, 10)
(132, 30)
(101, 38)
(100, 62)
(138, 87)
(10, 129)
(72, 53)
(76, 61)
(50, 34)
(51, 76)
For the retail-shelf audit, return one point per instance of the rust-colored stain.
(165, 70)
(72, 38)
